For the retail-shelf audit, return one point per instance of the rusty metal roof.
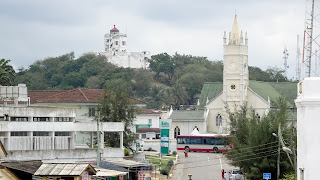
(63, 169)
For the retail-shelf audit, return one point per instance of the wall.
(83, 154)
(155, 144)
(308, 111)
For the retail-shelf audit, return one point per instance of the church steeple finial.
(235, 36)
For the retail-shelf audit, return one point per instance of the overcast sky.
(35, 29)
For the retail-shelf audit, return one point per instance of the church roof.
(187, 115)
(273, 90)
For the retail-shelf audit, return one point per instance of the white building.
(48, 132)
(235, 91)
(308, 109)
(115, 46)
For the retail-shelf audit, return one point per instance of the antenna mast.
(285, 58)
(308, 39)
(298, 65)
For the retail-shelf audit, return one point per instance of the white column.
(53, 139)
(308, 113)
(121, 140)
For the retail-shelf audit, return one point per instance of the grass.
(164, 160)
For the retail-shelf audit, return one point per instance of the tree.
(254, 148)
(7, 73)
(162, 63)
(117, 106)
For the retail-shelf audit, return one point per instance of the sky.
(35, 29)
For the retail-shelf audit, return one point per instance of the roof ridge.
(54, 95)
(83, 94)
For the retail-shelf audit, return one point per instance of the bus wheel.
(215, 150)
(187, 148)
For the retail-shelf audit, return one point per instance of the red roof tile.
(69, 96)
(66, 96)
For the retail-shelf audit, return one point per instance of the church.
(235, 91)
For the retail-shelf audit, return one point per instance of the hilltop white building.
(115, 46)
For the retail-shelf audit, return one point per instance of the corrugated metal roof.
(61, 169)
(124, 163)
(180, 115)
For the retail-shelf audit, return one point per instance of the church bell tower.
(235, 67)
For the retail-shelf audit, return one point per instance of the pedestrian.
(223, 174)
(185, 153)
(229, 175)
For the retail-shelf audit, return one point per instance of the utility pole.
(98, 141)
(278, 161)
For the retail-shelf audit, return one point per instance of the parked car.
(236, 174)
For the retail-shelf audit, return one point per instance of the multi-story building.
(31, 128)
(115, 46)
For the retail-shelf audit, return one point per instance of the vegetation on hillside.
(171, 80)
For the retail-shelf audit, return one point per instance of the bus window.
(195, 140)
(206, 140)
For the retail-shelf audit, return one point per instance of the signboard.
(144, 175)
(266, 175)
(165, 125)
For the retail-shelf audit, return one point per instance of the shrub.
(149, 149)
(126, 151)
(170, 164)
(174, 153)
(164, 171)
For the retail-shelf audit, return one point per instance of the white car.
(236, 174)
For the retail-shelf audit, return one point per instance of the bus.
(204, 142)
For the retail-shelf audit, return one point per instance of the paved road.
(202, 166)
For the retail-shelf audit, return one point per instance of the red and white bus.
(204, 142)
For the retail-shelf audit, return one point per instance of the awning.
(108, 173)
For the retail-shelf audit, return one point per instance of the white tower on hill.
(115, 46)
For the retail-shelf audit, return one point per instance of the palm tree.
(7, 73)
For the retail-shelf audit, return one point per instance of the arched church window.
(176, 131)
(219, 120)
(195, 127)
(258, 117)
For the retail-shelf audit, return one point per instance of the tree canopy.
(7, 73)
(171, 79)
(254, 148)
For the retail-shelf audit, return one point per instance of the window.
(195, 140)
(62, 134)
(143, 136)
(63, 119)
(233, 87)
(40, 119)
(123, 43)
(116, 42)
(21, 133)
(150, 121)
(19, 118)
(258, 117)
(176, 131)
(92, 112)
(218, 120)
(36, 133)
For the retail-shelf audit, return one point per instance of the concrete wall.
(308, 109)
(155, 144)
(144, 119)
(80, 154)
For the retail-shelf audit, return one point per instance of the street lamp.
(284, 148)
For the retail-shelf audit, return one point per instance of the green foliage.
(117, 106)
(272, 74)
(174, 153)
(164, 171)
(7, 73)
(254, 148)
(170, 163)
(288, 177)
(126, 151)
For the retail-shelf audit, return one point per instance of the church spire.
(235, 36)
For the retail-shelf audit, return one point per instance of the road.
(202, 166)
